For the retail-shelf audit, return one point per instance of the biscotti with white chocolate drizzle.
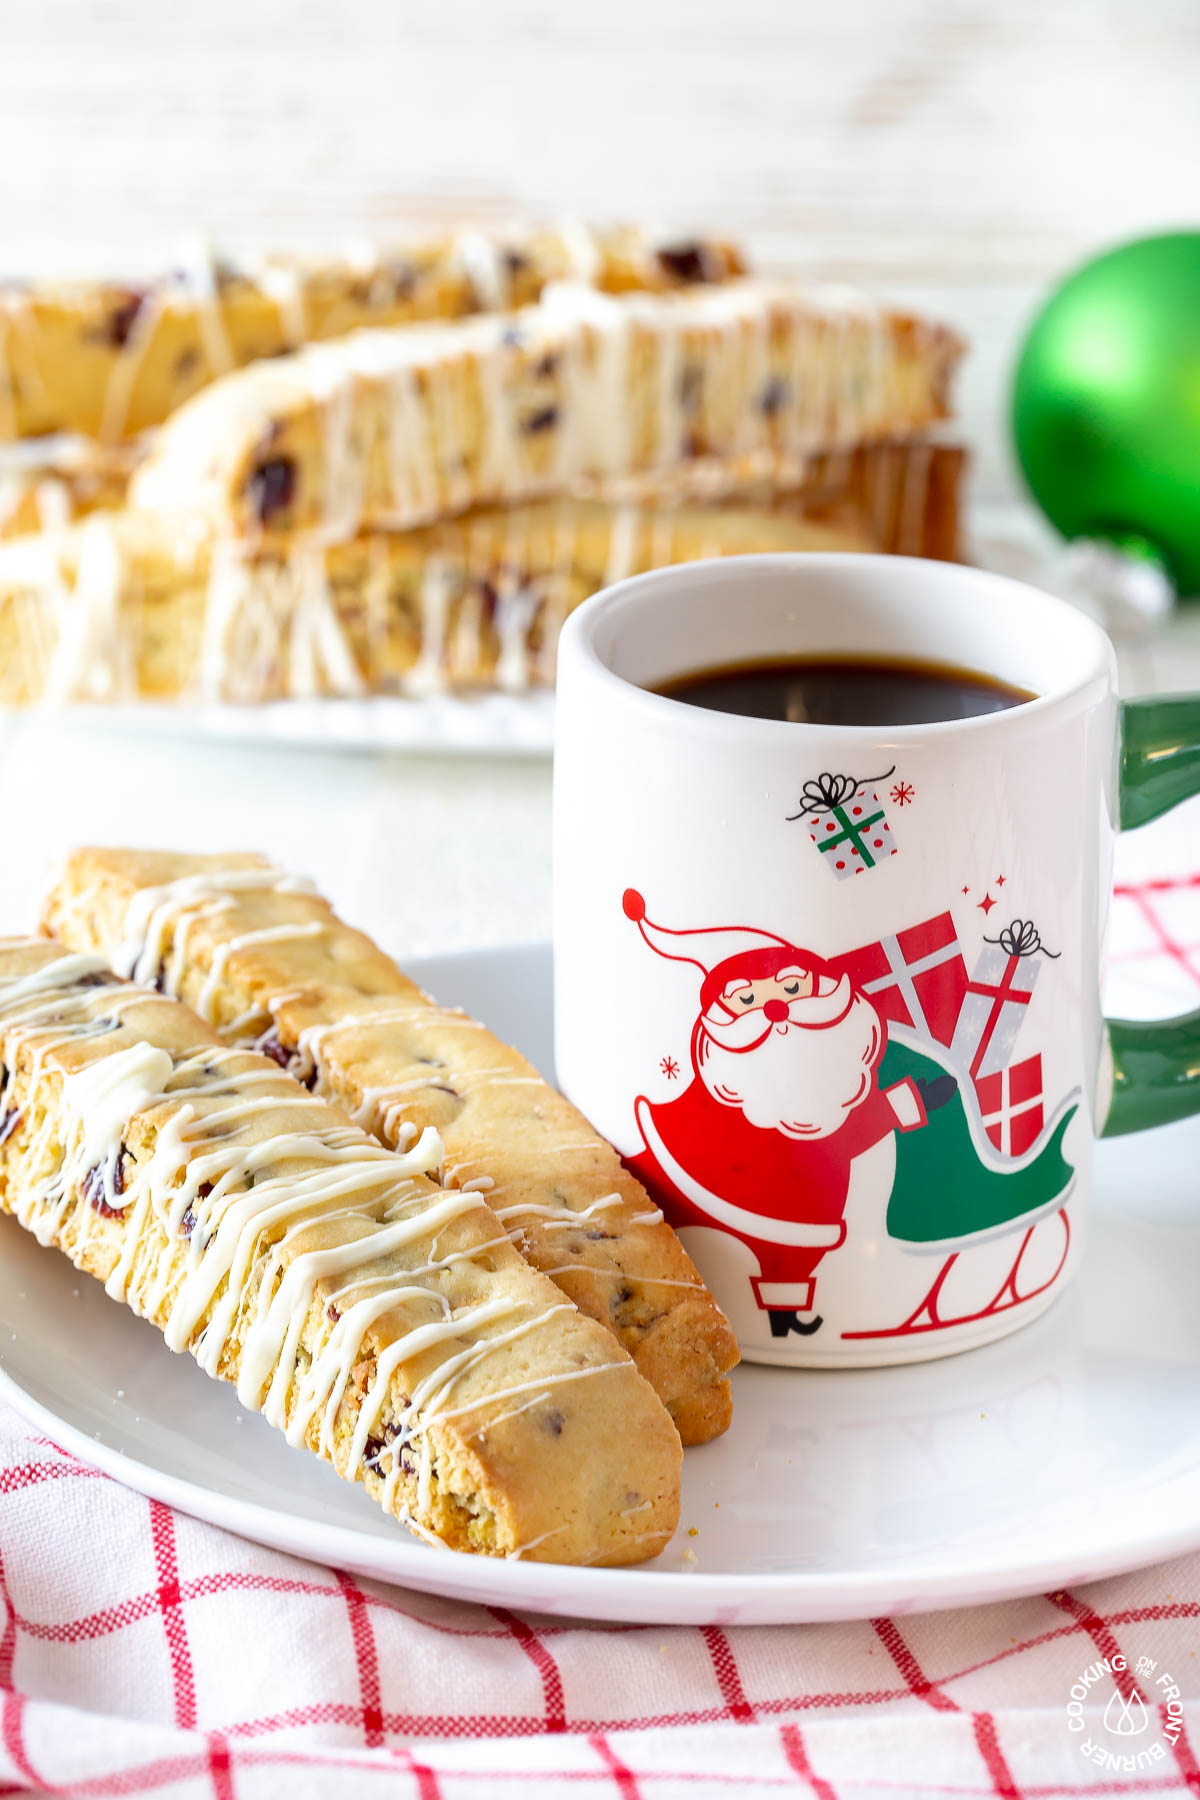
(124, 606)
(697, 392)
(112, 358)
(266, 961)
(47, 483)
(382, 1321)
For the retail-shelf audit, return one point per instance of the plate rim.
(515, 724)
(637, 1594)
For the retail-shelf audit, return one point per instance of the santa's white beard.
(801, 1080)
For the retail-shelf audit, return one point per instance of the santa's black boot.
(782, 1322)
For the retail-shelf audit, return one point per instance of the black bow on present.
(824, 793)
(1022, 938)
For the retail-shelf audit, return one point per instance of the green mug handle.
(1156, 1062)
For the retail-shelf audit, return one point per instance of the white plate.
(498, 724)
(1069, 1451)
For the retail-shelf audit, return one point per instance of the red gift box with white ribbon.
(916, 978)
(1011, 1105)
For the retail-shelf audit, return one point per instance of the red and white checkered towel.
(144, 1653)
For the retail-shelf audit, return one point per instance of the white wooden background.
(955, 153)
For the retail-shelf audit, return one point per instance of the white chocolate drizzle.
(481, 259)
(270, 1223)
(126, 366)
(155, 913)
(161, 916)
(704, 357)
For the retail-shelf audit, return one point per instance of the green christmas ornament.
(1106, 404)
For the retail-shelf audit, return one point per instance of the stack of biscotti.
(267, 963)
(667, 396)
(379, 1318)
(128, 606)
(109, 360)
(901, 495)
(125, 606)
(420, 505)
(89, 368)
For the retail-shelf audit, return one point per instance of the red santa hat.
(722, 953)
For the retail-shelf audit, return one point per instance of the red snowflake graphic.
(669, 1067)
(902, 793)
(986, 905)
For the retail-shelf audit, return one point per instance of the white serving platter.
(1064, 1453)
(458, 724)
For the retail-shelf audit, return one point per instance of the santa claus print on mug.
(835, 1114)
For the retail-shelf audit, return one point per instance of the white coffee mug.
(834, 992)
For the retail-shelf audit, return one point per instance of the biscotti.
(127, 606)
(382, 1321)
(45, 483)
(902, 495)
(691, 393)
(905, 495)
(267, 962)
(109, 359)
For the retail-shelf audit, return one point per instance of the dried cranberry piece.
(439, 1087)
(553, 1421)
(287, 1057)
(543, 420)
(188, 1222)
(490, 600)
(272, 487)
(686, 262)
(8, 1123)
(773, 397)
(375, 1447)
(271, 1046)
(545, 365)
(99, 978)
(95, 1192)
(515, 261)
(121, 320)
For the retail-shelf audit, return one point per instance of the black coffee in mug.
(845, 691)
